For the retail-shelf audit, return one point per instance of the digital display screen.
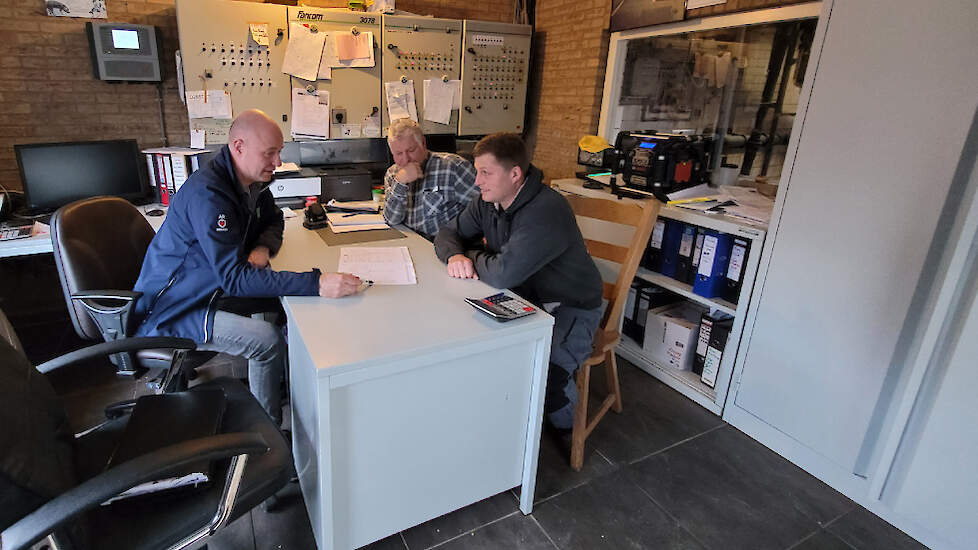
(647, 145)
(125, 39)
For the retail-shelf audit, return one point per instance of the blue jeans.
(263, 344)
(572, 343)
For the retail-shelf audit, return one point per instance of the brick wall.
(484, 10)
(48, 92)
(570, 51)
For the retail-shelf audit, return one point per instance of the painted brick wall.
(48, 92)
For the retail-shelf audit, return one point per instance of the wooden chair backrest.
(642, 217)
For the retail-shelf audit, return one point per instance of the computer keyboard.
(10, 233)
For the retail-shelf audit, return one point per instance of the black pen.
(348, 215)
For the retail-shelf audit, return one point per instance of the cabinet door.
(891, 103)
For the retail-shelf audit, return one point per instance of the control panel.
(419, 49)
(354, 91)
(219, 52)
(495, 69)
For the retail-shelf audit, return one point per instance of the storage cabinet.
(688, 382)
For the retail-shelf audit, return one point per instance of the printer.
(343, 183)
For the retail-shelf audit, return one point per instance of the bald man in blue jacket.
(220, 232)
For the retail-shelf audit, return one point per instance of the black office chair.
(99, 245)
(53, 484)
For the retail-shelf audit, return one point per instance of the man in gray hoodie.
(521, 234)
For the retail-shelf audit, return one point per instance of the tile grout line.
(470, 531)
(577, 486)
(404, 540)
(678, 443)
(668, 513)
(545, 533)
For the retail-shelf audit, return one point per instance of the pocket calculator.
(502, 306)
(9, 233)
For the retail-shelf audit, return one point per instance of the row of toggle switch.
(242, 62)
(259, 83)
(215, 48)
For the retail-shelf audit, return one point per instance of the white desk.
(41, 244)
(406, 402)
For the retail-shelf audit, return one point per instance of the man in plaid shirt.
(424, 190)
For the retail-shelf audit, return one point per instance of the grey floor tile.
(654, 417)
(610, 512)
(732, 492)
(239, 535)
(287, 527)
(822, 540)
(554, 474)
(461, 521)
(863, 530)
(516, 532)
(393, 542)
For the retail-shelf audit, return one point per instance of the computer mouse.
(155, 212)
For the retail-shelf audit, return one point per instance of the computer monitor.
(55, 174)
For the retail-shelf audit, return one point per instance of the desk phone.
(502, 306)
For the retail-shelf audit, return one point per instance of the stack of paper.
(361, 206)
(345, 222)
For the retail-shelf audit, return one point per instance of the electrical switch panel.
(495, 69)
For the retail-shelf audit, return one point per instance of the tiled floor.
(664, 474)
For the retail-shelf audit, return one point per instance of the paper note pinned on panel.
(197, 136)
(400, 100)
(310, 118)
(259, 33)
(438, 98)
(371, 126)
(360, 45)
(208, 104)
(304, 52)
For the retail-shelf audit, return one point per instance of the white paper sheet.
(197, 135)
(304, 52)
(259, 33)
(400, 100)
(352, 228)
(310, 117)
(382, 265)
(341, 219)
(364, 43)
(438, 99)
(371, 126)
(216, 104)
(287, 168)
(349, 130)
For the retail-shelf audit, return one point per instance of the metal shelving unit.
(686, 382)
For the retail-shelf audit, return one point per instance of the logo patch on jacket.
(222, 222)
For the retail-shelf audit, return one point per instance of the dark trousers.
(572, 343)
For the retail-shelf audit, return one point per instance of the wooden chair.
(642, 217)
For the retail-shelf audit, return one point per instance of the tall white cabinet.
(834, 372)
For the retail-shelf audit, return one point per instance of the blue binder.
(711, 275)
(670, 247)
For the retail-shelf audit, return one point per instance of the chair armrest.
(127, 295)
(116, 346)
(54, 513)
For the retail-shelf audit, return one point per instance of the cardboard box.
(670, 335)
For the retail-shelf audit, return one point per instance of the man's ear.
(237, 145)
(516, 174)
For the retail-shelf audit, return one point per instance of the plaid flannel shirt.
(425, 205)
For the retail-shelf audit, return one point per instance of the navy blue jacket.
(201, 253)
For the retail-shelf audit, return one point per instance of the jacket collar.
(532, 186)
(224, 165)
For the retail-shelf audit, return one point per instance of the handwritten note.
(304, 52)
(382, 265)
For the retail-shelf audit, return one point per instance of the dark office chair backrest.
(99, 243)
